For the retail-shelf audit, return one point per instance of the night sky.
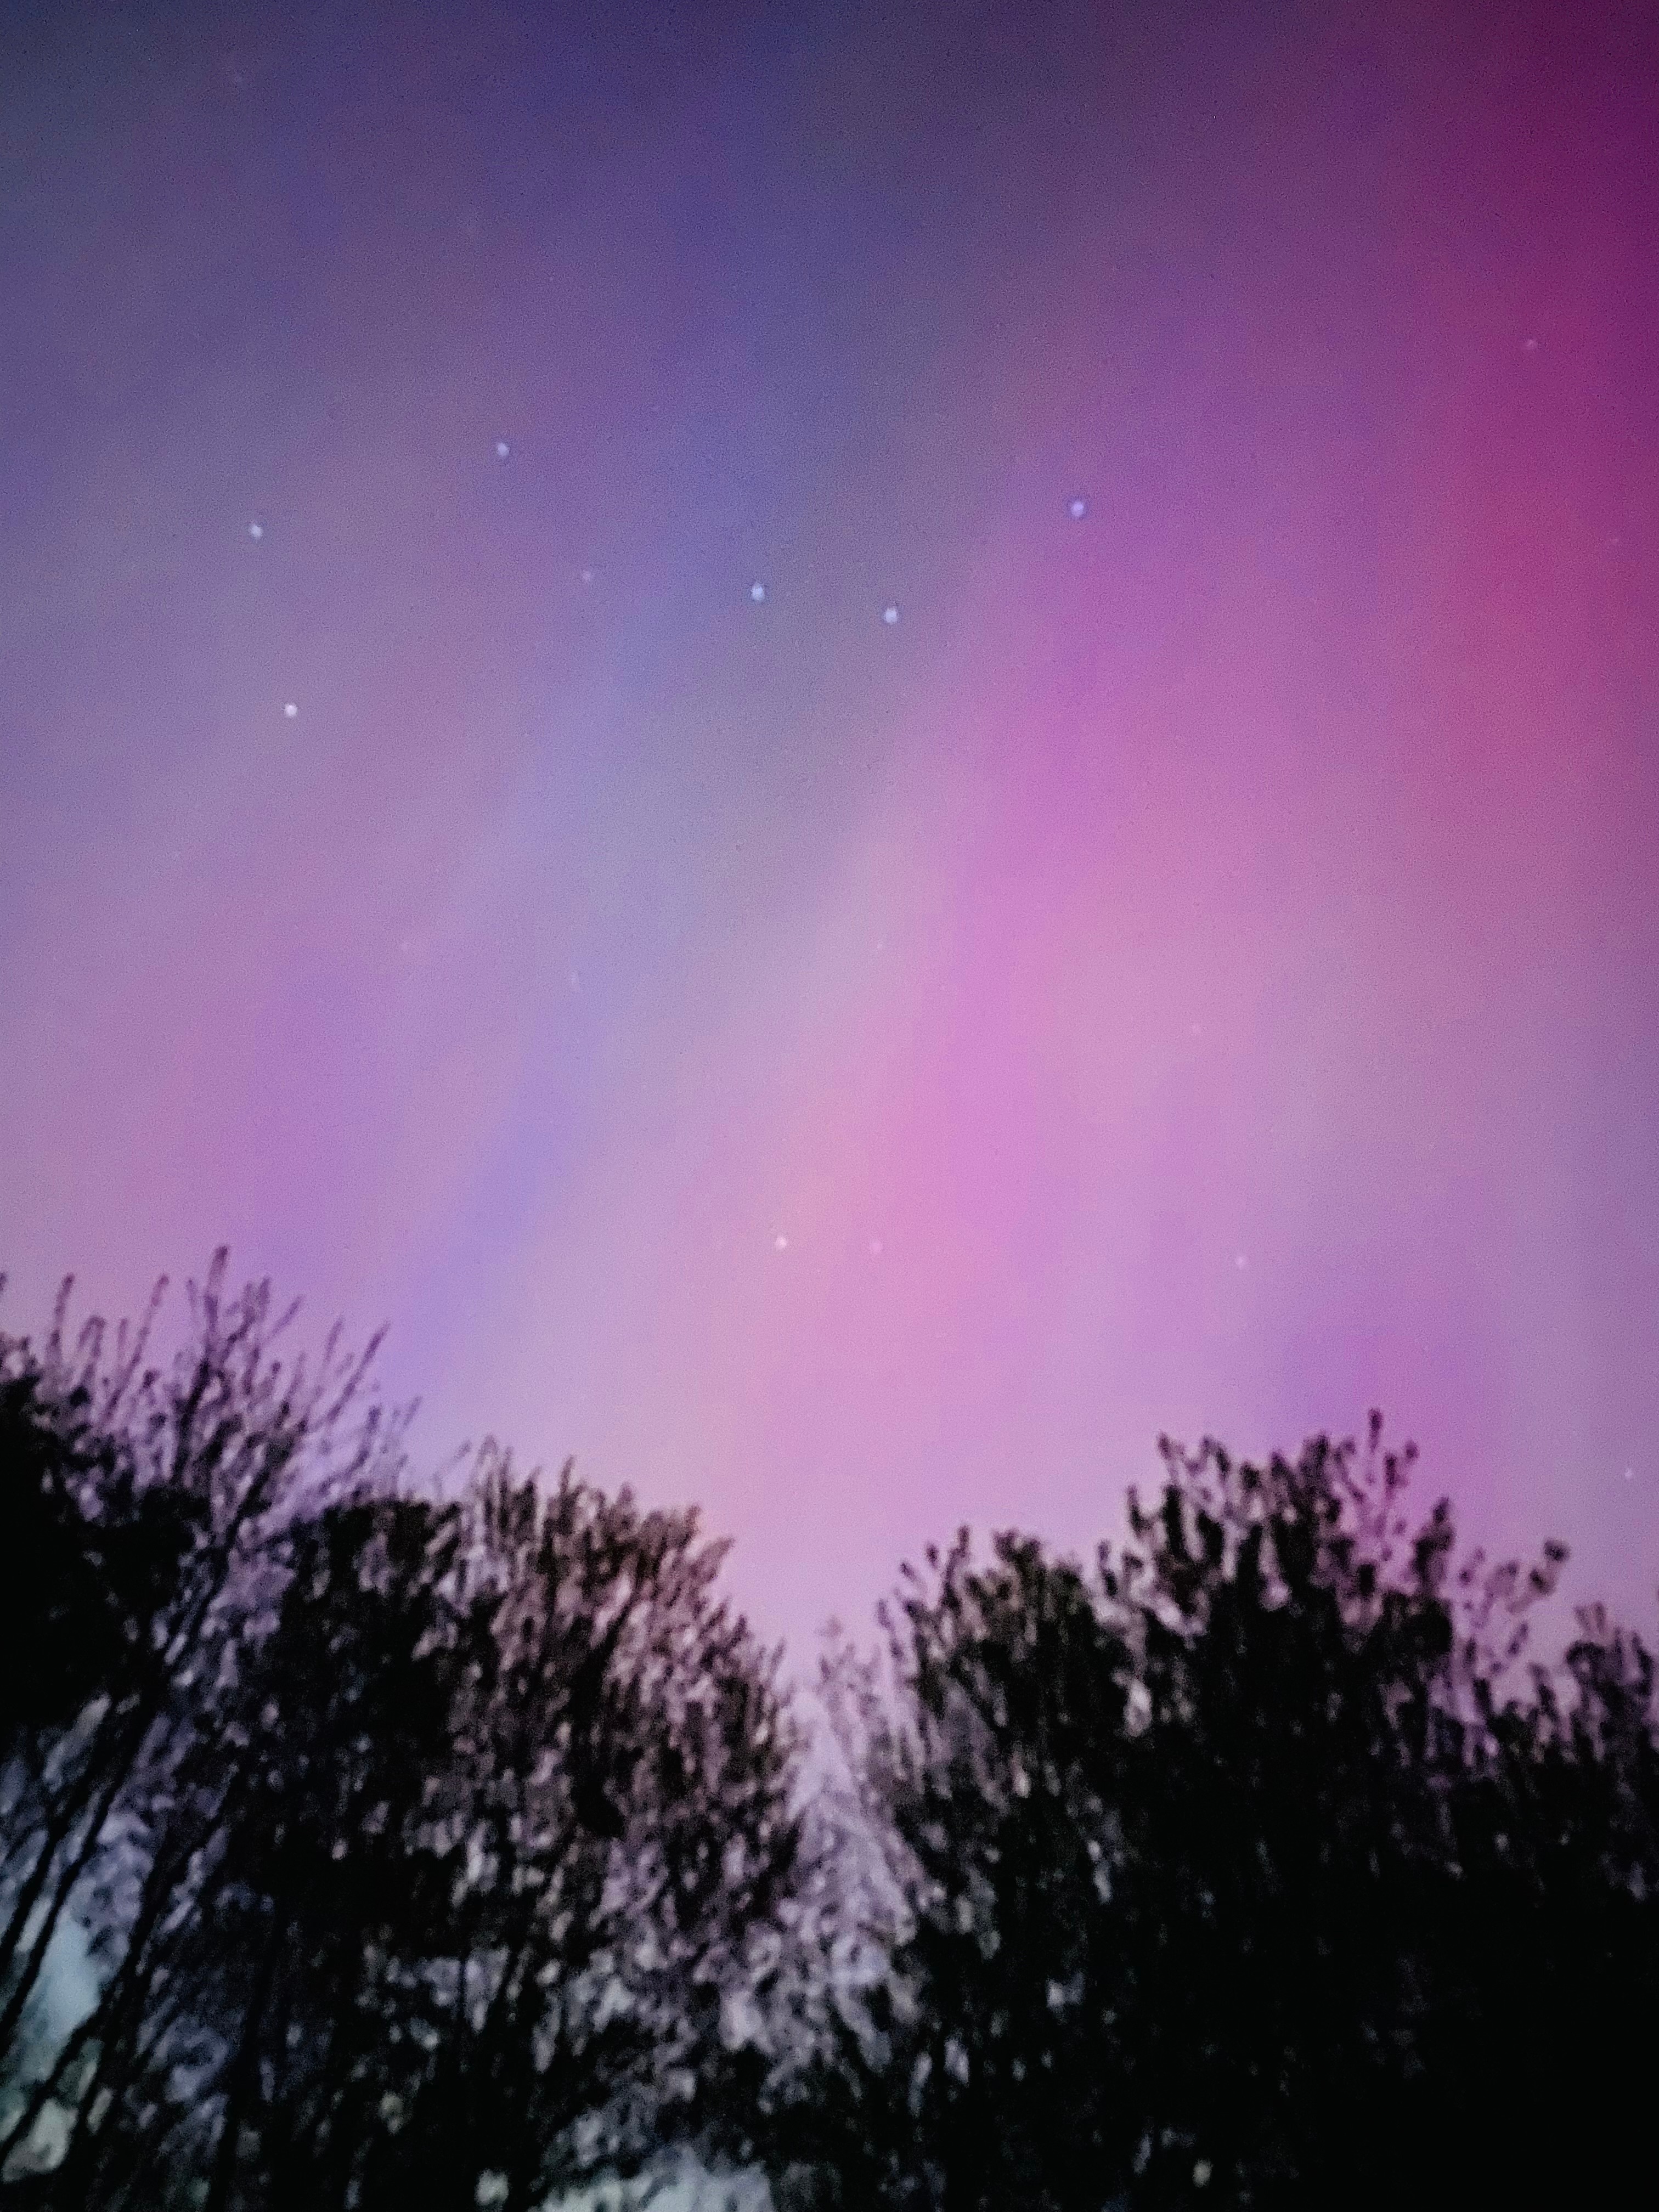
(860, 748)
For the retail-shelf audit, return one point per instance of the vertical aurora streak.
(1208, 945)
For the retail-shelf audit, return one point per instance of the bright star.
(1078, 510)
(757, 592)
(290, 710)
(503, 449)
(889, 615)
(255, 530)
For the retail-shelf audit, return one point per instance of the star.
(255, 530)
(503, 449)
(1078, 508)
(587, 575)
(757, 592)
(779, 1243)
(290, 710)
(1532, 345)
(889, 615)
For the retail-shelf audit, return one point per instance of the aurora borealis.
(1195, 969)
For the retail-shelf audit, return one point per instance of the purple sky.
(1197, 969)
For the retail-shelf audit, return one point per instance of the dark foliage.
(145, 1503)
(416, 1844)
(619, 1797)
(1235, 1873)
(415, 1841)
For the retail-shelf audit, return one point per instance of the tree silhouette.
(428, 1846)
(420, 1844)
(624, 1793)
(1238, 1873)
(262, 2028)
(145, 1500)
